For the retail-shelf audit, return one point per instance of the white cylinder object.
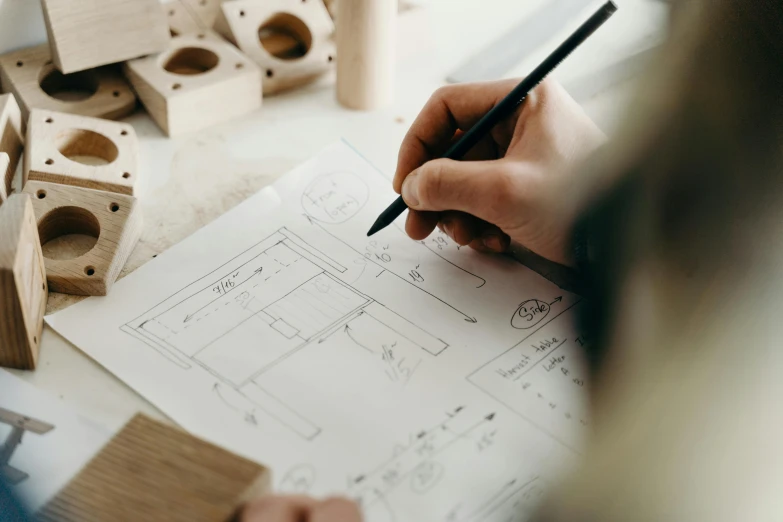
(366, 33)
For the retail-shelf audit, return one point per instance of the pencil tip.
(375, 228)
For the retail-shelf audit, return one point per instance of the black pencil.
(507, 105)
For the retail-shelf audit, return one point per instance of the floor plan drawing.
(281, 294)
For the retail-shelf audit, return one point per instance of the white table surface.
(187, 182)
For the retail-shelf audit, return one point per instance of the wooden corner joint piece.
(200, 80)
(147, 468)
(114, 220)
(23, 289)
(291, 41)
(11, 142)
(79, 151)
(32, 77)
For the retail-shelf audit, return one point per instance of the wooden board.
(199, 81)
(260, 26)
(11, 142)
(60, 144)
(37, 84)
(115, 220)
(85, 34)
(23, 289)
(153, 472)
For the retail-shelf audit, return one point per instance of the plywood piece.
(60, 144)
(90, 33)
(114, 219)
(258, 27)
(23, 289)
(30, 73)
(153, 472)
(11, 142)
(199, 81)
(366, 34)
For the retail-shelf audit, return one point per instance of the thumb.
(485, 189)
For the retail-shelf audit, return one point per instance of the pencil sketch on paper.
(541, 378)
(19, 425)
(264, 305)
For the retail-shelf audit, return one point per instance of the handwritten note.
(424, 380)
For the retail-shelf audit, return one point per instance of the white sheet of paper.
(427, 381)
(55, 442)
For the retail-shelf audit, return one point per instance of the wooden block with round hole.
(85, 34)
(37, 84)
(260, 29)
(23, 289)
(114, 220)
(11, 142)
(83, 152)
(199, 81)
(153, 472)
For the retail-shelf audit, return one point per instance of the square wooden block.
(291, 41)
(23, 289)
(85, 34)
(157, 473)
(114, 220)
(199, 81)
(11, 142)
(37, 84)
(83, 152)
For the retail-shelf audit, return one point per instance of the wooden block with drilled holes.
(114, 220)
(199, 81)
(37, 84)
(90, 33)
(83, 152)
(11, 142)
(23, 290)
(291, 41)
(153, 472)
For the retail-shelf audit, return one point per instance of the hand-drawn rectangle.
(284, 328)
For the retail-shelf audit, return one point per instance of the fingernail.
(493, 242)
(447, 229)
(410, 190)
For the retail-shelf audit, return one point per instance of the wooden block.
(199, 81)
(85, 34)
(205, 11)
(37, 84)
(113, 219)
(11, 142)
(83, 152)
(366, 34)
(153, 472)
(261, 28)
(23, 289)
(181, 19)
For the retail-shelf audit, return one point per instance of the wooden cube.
(199, 81)
(153, 472)
(85, 34)
(291, 41)
(83, 152)
(114, 220)
(11, 142)
(37, 84)
(23, 289)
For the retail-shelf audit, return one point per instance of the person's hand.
(300, 509)
(512, 184)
